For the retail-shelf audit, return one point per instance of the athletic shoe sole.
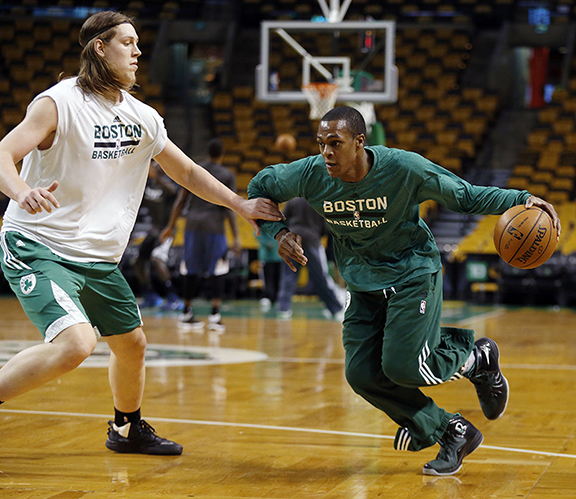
(198, 327)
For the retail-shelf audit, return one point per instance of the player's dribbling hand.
(548, 208)
(290, 247)
(38, 199)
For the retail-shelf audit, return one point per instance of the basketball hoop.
(321, 96)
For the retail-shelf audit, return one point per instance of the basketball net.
(321, 97)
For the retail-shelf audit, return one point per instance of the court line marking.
(305, 360)
(479, 317)
(271, 427)
(557, 367)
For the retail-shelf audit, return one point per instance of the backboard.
(356, 55)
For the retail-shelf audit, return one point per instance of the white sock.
(124, 430)
(469, 364)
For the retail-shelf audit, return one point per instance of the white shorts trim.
(74, 315)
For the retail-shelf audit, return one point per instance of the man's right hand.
(39, 198)
(166, 233)
(290, 247)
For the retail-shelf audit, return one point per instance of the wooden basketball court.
(265, 412)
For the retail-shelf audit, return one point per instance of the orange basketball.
(285, 142)
(525, 238)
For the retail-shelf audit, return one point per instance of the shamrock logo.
(28, 283)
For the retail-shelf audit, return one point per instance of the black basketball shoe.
(139, 438)
(491, 385)
(460, 439)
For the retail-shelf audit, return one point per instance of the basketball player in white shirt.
(87, 145)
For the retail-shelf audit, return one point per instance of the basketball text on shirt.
(357, 213)
(116, 140)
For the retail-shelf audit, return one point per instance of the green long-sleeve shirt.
(379, 238)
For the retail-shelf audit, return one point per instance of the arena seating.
(436, 114)
(36, 53)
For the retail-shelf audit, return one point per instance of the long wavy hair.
(96, 76)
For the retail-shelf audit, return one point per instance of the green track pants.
(394, 345)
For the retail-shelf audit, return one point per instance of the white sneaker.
(185, 316)
(284, 315)
(265, 304)
(338, 316)
(215, 323)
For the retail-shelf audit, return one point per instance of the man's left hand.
(548, 208)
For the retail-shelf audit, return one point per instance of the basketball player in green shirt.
(392, 337)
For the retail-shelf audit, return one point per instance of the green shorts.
(57, 293)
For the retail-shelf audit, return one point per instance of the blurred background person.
(270, 265)
(151, 265)
(205, 244)
(303, 220)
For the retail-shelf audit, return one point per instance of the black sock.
(215, 310)
(191, 288)
(188, 309)
(121, 418)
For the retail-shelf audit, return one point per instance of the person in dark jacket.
(303, 220)
(205, 243)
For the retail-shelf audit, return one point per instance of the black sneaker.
(460, 439)
(491, 385)
(139, 438)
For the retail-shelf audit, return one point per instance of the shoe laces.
(445, 450)
(145, 430)
(486, 384)
(448, 447)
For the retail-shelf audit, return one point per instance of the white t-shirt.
(100, 156)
